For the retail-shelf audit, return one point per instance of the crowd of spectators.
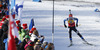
(29, 39)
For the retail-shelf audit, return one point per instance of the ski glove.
(65, 26)
(76, 25)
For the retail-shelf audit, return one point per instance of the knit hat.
(33, 28)
(18, 22)
(70, 15)
(7, 17)
(24, 26)
(4, 18)
(30, 32)
(27, 36)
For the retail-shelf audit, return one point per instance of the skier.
(72, 26)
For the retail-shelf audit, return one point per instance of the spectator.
(27, 38)
(32, 29)
(23, 33)
(29, 42)
(18, 25)
(35, 32)
(44, 45)
(17, 45)
(22, 44)
(50, 46)
(25, 28)
(29, 48)
(5, 35)
(37, 45)
(34, 35)
(41, 38)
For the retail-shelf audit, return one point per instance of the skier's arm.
(76, 21)
(65, 22)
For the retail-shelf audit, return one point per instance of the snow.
(88, 19)
(89, 0)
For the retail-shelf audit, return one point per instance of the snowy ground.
(89, 22)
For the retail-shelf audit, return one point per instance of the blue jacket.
(73, 19)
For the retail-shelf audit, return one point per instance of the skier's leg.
(70, 35)
(79, 35)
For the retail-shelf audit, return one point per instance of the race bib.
(70, 21)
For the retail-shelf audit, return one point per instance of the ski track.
(42, 14)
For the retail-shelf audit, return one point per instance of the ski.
(70, 45)
(84, 43)
(90, 44)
